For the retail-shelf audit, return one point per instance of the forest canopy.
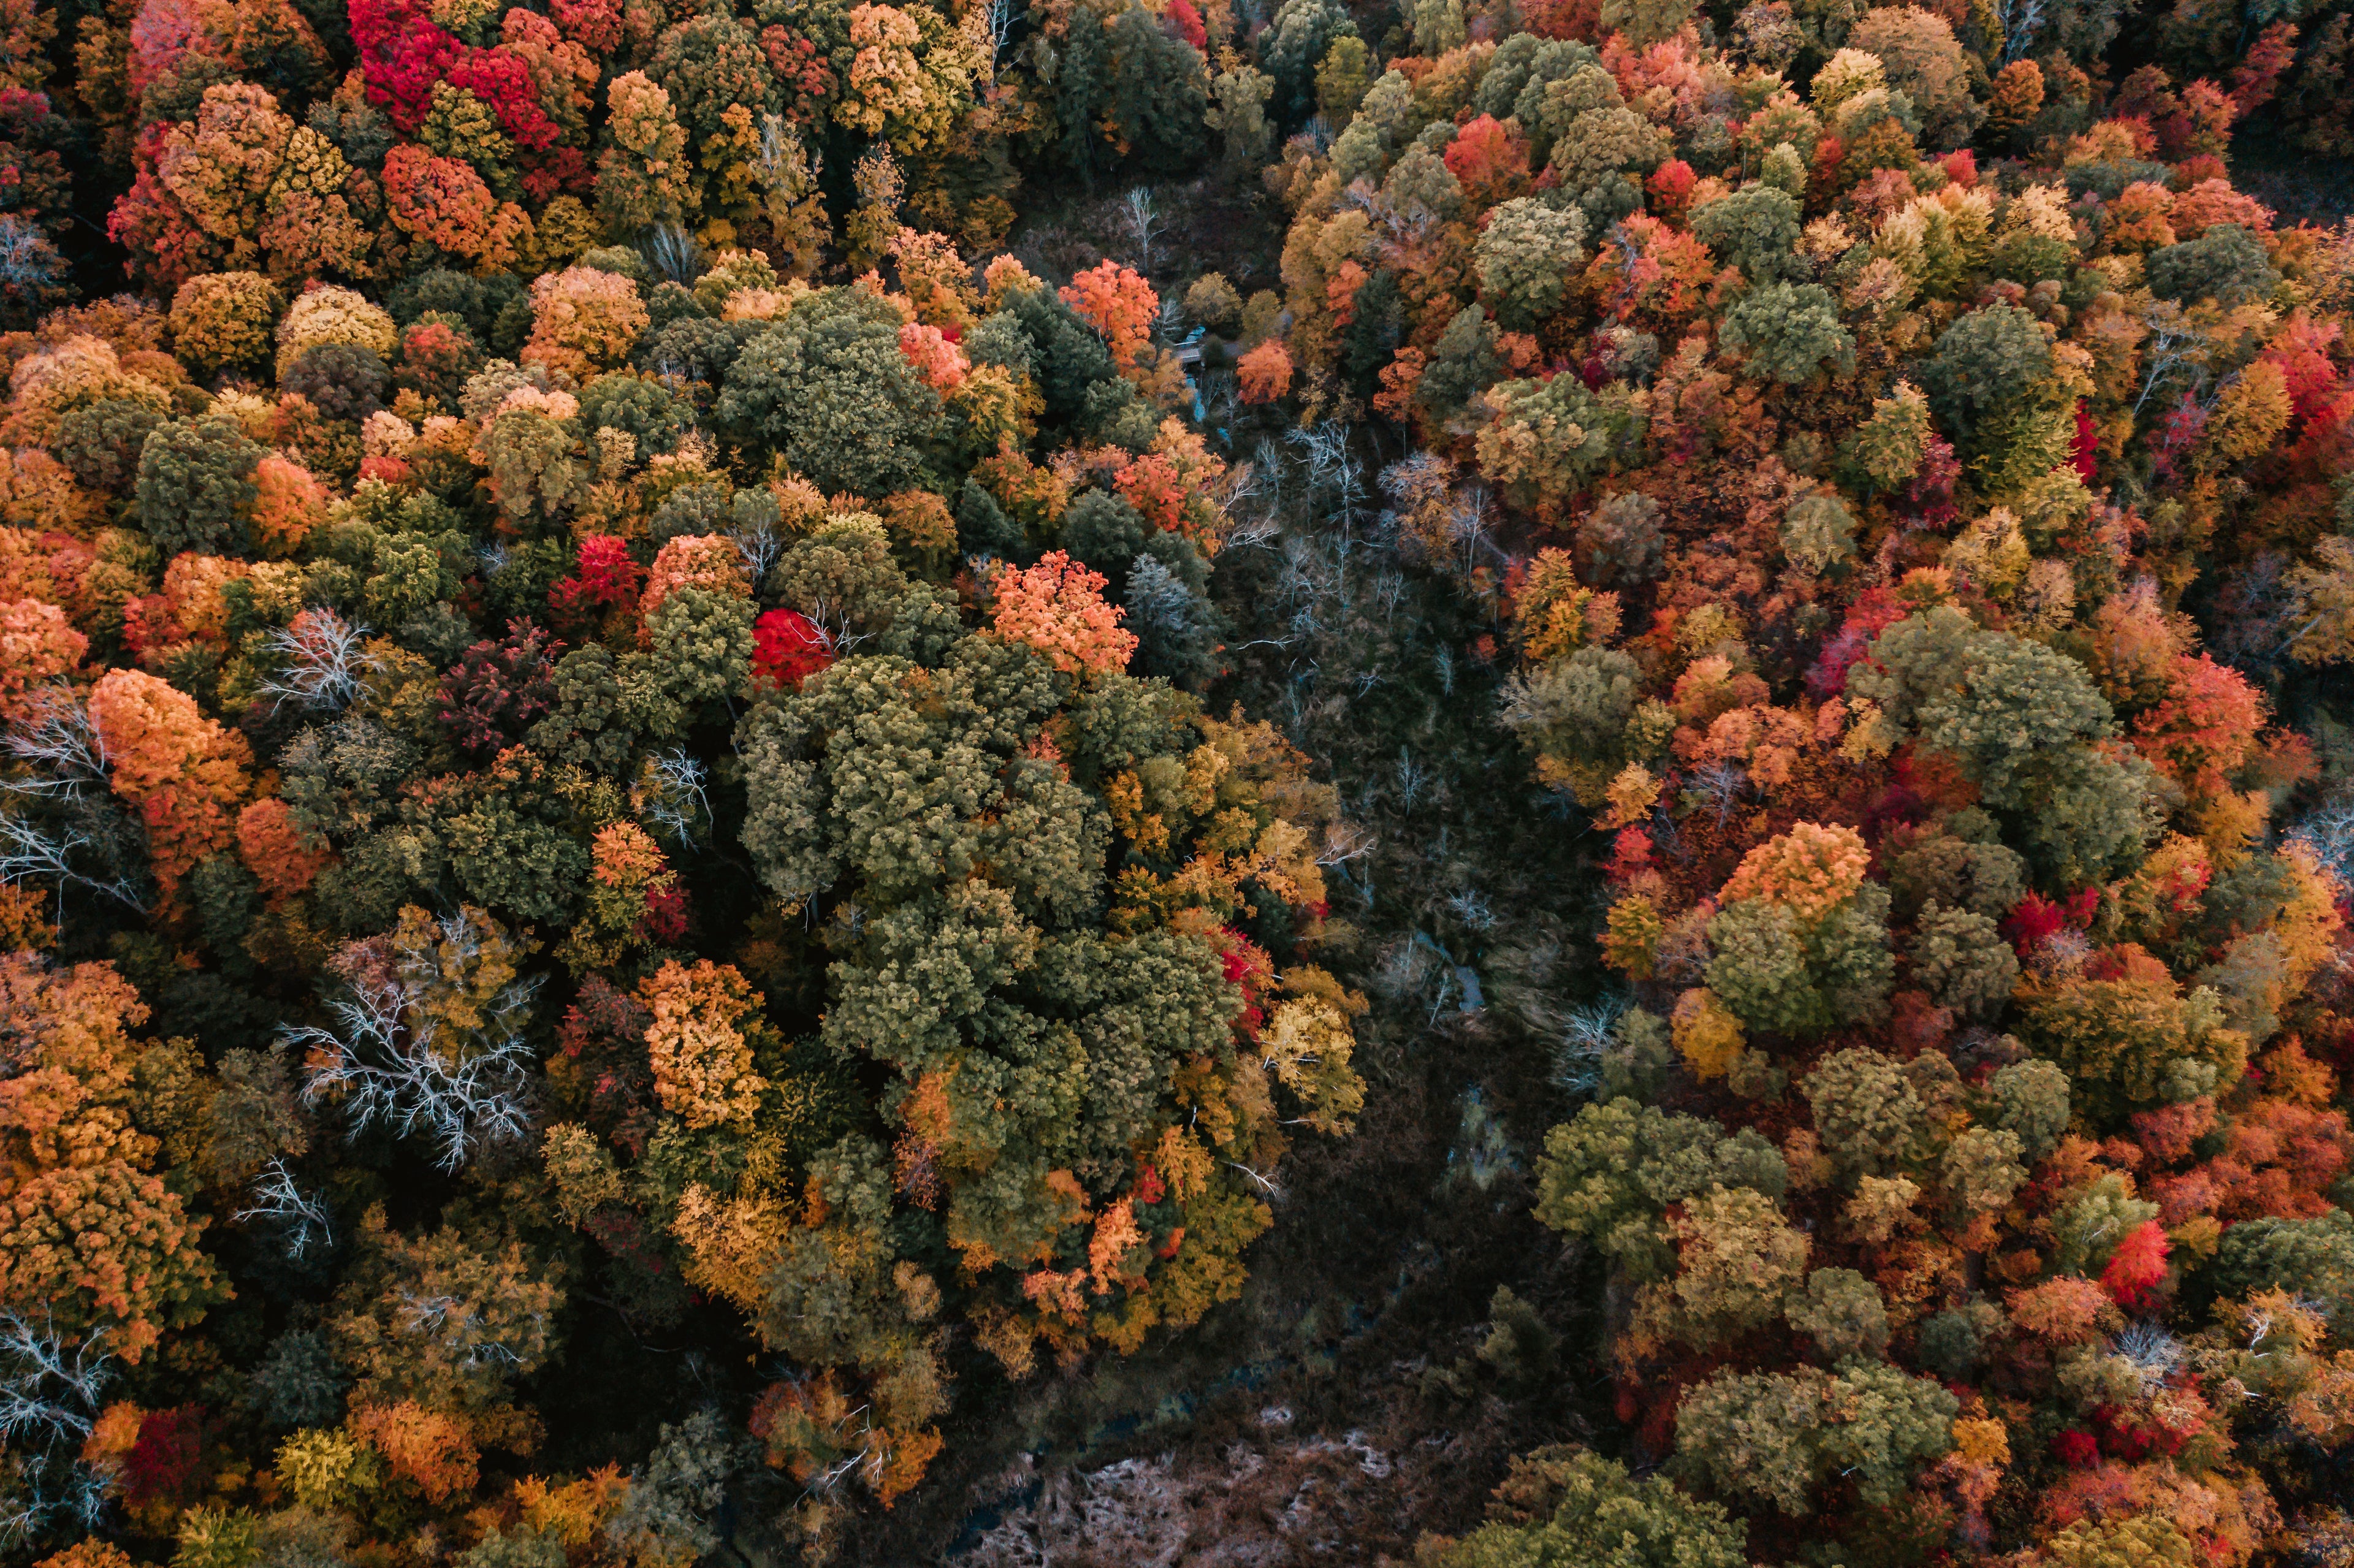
(736, 825)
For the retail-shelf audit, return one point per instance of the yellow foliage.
(702, 1065)
(733, 1242)
(1707, 1036)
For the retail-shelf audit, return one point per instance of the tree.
(105, 1251)
(1925, 63)
(1779, 1436)
(196, 489)
(1609, 1173)
(1572, 1506)
(1158, 93)
(223, 319)
(1963, 961)
(2226, 264)
(1755, 229)
(1527, 254)
(185, 773)
(1982, 363)
(1788, 332)
(828, 389)
(1800, 942)
(427, 1034)
(642, 176)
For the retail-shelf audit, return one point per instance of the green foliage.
(1983, 363)
(1961, 958)
(1869, 1113)
(1755, 229)
(1581, 1511)
(1777, 1437)
(2023, 720)
(828, 389)
(1527, 255)
(2313, 1258)
(1780, 972)
(1522, 1349)
(2130, 1044)
(196, 489)
(2226, 264)
(1842, 1312)
(1611, 1172)
(1788, 332)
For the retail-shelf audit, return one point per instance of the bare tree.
(671, 251)
(57, 742)
(388, 1057)
(2175, 348)
(999, 19)
(279, 1199)
(672, 797)
(1143, 214)
(459, 1328)
(2328, 834)
(48, 1404)
(758, 546)
(2019, 21)
(326, 659)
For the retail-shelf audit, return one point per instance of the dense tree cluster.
(1932, 482)
(632, 889)
(663, 824)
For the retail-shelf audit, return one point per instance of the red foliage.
(495, 692)
(1929, 494)
(1189, 23)
(1249, 969)
(436, 358)
(2177, 435)
(1630, 852)
(666, 917)
(2085, 452)
(2204, 728)
(166, 1463)
(2131, 1436)
(2138, 1265)
(596, 23)
(501, 80)
(2078, 1450)
(799, 66)
(606, 577)
(787, 648)
(1489, 162)
(1961, 167)
(602, 1062)
(1671, 186)
(1874, 612)
(2034, 917)
(1580, 20)
(402, 55)
(2258, 74)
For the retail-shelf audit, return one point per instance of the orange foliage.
(291, 503)
(1808, 870)
(432, 1451)
(1265, 373)
(183, 771)
(702, 1065)
(940, 363)
(1057, 608)
(281, 855)
(36, 644)
(1121, 305)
